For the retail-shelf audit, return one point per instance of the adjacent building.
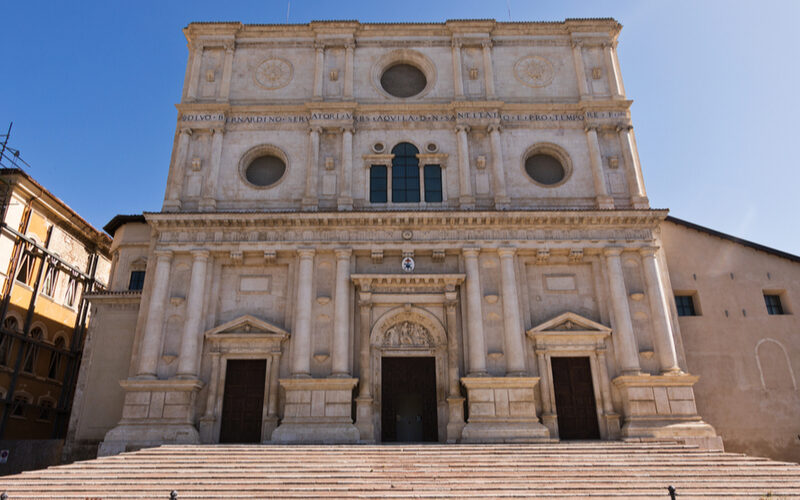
(414, 232)
(50, 258)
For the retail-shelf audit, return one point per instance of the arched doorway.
(409, 361)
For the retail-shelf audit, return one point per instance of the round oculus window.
(265, 170)
(403, 80)
(545, 169)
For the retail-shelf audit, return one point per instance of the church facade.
(393, 232)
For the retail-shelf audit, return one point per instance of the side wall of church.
(747, 359)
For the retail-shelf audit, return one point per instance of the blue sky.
(91, 88)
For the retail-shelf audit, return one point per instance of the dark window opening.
(685, 305)
(137, 280)
(378, 184)
(433, 183)
(773, 303)
(405, 174)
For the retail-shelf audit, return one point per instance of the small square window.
(685, 305)
(773, 302)
(137, 280)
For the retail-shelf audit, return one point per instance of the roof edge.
(725, 236)
(121, 219)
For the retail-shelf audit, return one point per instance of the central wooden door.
(575, 403)
(408, 399)
(243, 401)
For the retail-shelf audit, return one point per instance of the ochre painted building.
(424, 232)
(49, 257)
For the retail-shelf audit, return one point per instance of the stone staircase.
(576, 470)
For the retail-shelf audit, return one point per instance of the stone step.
(577, 470)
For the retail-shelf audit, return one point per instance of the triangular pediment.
(246, 325)
(569, 322)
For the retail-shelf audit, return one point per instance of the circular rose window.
(545, 169)
(403, 80)
(265, 170)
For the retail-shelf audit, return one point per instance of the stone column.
(189, 359)
(196, 51)
(272, 402)
(501, 200)
(477, 343)
(310, 200)
(172, 202)
(513, 335)
(544, 381)
(227, 71)
(488, 71)
(633, 169)
(345, 201)
(612, 70)
(150, 349)
(364, 409)
(664, 340)
(301, 338)
(464, 182)
(319, 68)
(458, 79)
(627, 349)
(349, 48)
(341, 315)
(604, 201)
(580, 70)
(605, 388)
(455, 401)
(209, 201)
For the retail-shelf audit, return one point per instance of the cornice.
(571, 219)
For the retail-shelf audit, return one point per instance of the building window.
(685, 305)
(55, 359)
(403, 80)
(405, 174)
(50, 280)
(378, 184)
(25, 268)
(32, 351)
(10, 324)
(71, 292)
(773, 303)
(18, 406)
(137, 280)
(433, 183)
(45, 410)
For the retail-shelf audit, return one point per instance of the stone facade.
(491, 223)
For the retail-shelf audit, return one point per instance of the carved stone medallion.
(534, 71)
(273, 73)
(407, 334)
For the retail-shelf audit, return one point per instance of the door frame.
(435, 348)
(570, 335)
(245, 337)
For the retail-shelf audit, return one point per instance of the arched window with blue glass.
(405, 173)
(404, 180)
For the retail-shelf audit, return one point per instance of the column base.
(171, 206)
(317, 411)
(345, 203)
(365, 419)
(309, 204)
(640, 202)
(605, 203)
(455, 419)
(207, 205)
(155, 412)
(502, 410)
(466, 202)
(662, 407)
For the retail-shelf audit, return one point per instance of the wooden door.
(575, 403)
(243, 401)
(408, 399)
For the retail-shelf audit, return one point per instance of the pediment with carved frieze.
(246, 326)
(569, 328)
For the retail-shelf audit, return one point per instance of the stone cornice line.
(162, 221)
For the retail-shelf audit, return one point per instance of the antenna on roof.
(288, 6)
(508, 6)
